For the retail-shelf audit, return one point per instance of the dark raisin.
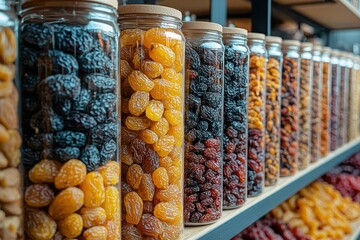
(80, 103)
(150, 162)
(30, 104)
(209, 113)
(192, 58)
(90, 156)
(100, 83)
(36, 35)
(138, 147)
(62, 86)
(67, 153)
(56, 62)
(70, 139)
(30, 157)
(73, 40)
(62, 107)
(212, 99)
(96, 62)
(102, 107)
(51, 122)
(40, 141)
(105, 42)
(207, 56)
(103, 133)
(29, 59)
(79, 121)
(108, 151)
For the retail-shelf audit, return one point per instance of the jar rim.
(149, 9)
(317, 48)
(200, 25)
(256, 36)
(273, 39)
(234, 30)
(27, 3)
(288, 43)
(306, 44)
(326, 50)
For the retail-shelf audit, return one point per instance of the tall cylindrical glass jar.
(204, 96)
(306, 75)
(70, 118)
(356, 117)
(152, 49)
(256, 114)
(236, 81)
(343, 91)
(351, 95)
(273, 101)
(289, 108)
(334, 100)
(316, 104)
(11, 210)
(325, 103)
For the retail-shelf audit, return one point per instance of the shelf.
(234, 221)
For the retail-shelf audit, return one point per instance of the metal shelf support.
(261, 16)
(218, 11)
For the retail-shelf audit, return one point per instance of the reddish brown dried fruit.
(150, 226)
(38, 195)
(134, 207)
(146, 189)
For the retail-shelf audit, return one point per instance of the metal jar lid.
(148, 9)
(199, 25)
(45, 3)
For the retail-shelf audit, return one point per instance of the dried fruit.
(8, 114)
(99, 83)
(92, 216)
(110, 173)
(7, 45)
(162, 54)
(148, 136)
(161, 127)
(71, 226)
(150, 162)
(140, 82)
(164, 145)
(134, 176)
(7, 72)
(96, 61)
(93, 189)
(125, 69)
(54, 62)
(171, 193)
(111, 204)
(39, 225)
(71, 174)
(172, 76)
(164, 89)
(165, 162)
(130, 232)
(137, 123)
(174, 173)
(160, 178)
(151, 69)
(132, 37)
(174, 117)
(178, 133)
(138, 102)
(146, 189)
(38, 195)
(168, 212)
(4, 135)
(154, 110)
(45, 171)
(170, 231)
(66, 202)
(113, 230)
(150, 226)
(98, 233)
(134, 207)
(173, 103)
(160, 35)
(178, 49)
(90, 157)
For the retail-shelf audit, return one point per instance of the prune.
(56, 62)
(62, 107)
(100, 83)
(29, 58)
(36, 35)
(67, 153)
(70, 139)
(191, 58)
(61, 85)
(90, 156)
(108, 151)
(103, 133)
(102, 107)
(78, 121)
(80, 103)
(69, 38)
(40, 141)
(96, 62)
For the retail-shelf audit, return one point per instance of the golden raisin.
(7, 45)
(71, 226)
(7, 72)
(126, 155)
(178, 49)
(138, 102)
(134, 207)
(137, 123)
(162, 54)
(178, 133)
(45, 171)
(111, 204)
(4, 134)
(93, 216)
(113, 230)
(140, 82)
(176, 155)
(11, 148)
(168, 212)
(38, 195)
(164, 89)
(161, 35)
(160, 178)
(140, 55)
(8, 114)
(151, 69)
(165, 162)
(161, 127)
(146, 189)
(172, 76)
(93, 189)
(95, 233)
(148, 136)
(173, 103)
(125, 69)
(164, 145)
(66, 202)
(174, 117)
(134, 176)
(132, 37)
(126, 53)
(39, 225)
(71, 174)
(175, 174)
(150, 226)
(154, 110)
(110, 173)
(6, 89)
(170, 231)
(171, 193)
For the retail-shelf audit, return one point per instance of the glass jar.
(316, 104)
(10, 139)
(152, 82)
(273, 91)
(343, 91)
(306, 75)
(325, 103)
(204, 59)
(352, 108)
(256, 114)
(335, 100)
(289, 108)
(356, 117)
(236, 81)
(70, 121)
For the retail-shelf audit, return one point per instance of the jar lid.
(199, 25)
(273, 39)
(149, 9)
(111, 3)
(317, 48)
(258, 36)
(335, 52)
(233, 30)
(291, 43)
(326, 49)
(306, 44)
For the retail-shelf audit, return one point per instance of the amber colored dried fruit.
(150, 226)
(148, 136)
(140, 55)
(111, 204)
(151, 69)
(38, 195)
(45, 171)
(93, 188)
(71, 174)
(93, 216)
(126, 155)
(110, 173)
(176, 155)
(71, 226)
(134, 207)
(8, 114)
(4, 134)
(126, 89)
(161, 127)
(11, 147)
(173, 116)
(175, 174)
(178, 133)
(6, 88)
(7, 72)
(173, 103)
(127, 135)
(125, 69)
(160, 178)
(95, 233)
(171, 231)
(140, 82)
(162, 54)
(146, 189)
(168, 212)
(66, 202)
(134, 176)
(138, 102)
(164, 145)
(113, 230)
(172, 76)
(130, 232)
(154, 110)
(132, 37)
(171, 193)
(165, 162)
(137, 123)
(164, 89)
(178, 49)
(39, 225)
(7, 45)
(161, 35)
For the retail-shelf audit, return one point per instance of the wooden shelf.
(234, 221)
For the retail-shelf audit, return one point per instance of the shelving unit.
(234, 221)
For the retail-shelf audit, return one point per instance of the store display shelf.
(234, 221)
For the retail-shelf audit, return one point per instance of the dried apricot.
(173, 103)
(160, 178)
(154, 110)
(140, 82)
(45, 171)
(138, 102)
(164, 145)
(93, 189)
(151, 69)
(165, 162)
(150, 226)
(110, 173)
(38, 195)
(71, 174)
(148, 136)
(130, 232)
(178, 133)
(171, 193)
(168, 212)
(8, 114)
(113, 230)
(146, 189)
(111, 204)
(161, 35)
(175, 174)
(126, 155)
(95, 233)
(161, 127)
(92, 216)
(125, 69)
(134, 176)
(172, 76)
(66, 202)
(7, 45)
(71, 226)
(132, 37)
(134, 207)
(39, 225)
(170, 231)
(173, 116)
(137, 123)
(178, 49)
(164, 89)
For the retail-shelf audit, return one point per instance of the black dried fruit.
(30, 157)
(63, 86)
(102, 107)
(79, 121)
(29, 58)
(56, 62)
(104, 133)
(70, 139)
(100, 83)
(207, 56)
(30, 83)
(30, 104)
(138, 147)
(51, 122)
(208, 71)
(90, 156)
(192, 58)
(108, 151)
(36, 35)
(96, 62)
(67, 153)
(212, 99)
(209, 113)
(40, 141)
(80, 103)
(105, 42)
(62, 107)
(73, 40)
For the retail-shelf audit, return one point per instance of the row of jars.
(204, 122)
